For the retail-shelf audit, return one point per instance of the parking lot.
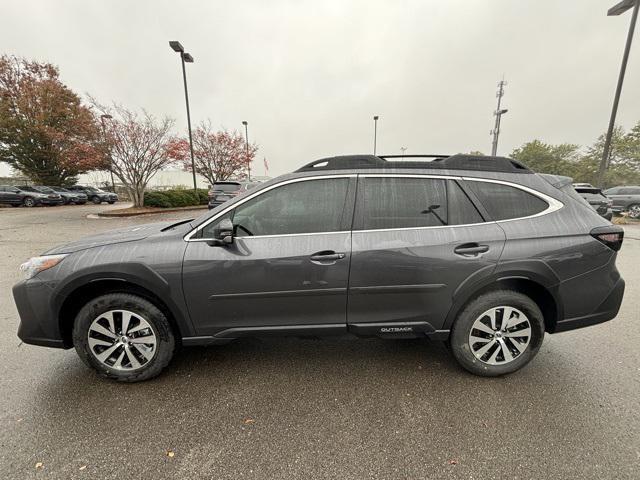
(304, 408)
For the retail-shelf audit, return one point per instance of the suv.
(625, 199)
(95, 195)
(597, 200)
(220, 192)
(37, 195)
(76, 198)
(479, 252)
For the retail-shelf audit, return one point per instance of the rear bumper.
(607, 310)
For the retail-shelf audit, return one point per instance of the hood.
(129, 234)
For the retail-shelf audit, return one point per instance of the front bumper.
(50, 201)
(38, 325)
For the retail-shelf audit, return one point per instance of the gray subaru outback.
(478, 252)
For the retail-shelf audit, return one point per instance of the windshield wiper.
(173, 225)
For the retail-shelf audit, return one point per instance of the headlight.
(35, 265)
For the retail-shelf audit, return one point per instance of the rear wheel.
(124, 337)
(497, 333)
(29, 202)
(634, 210)
(96, 200)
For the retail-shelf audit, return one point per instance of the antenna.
(498, 114)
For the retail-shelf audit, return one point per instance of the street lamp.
(104, 134)
(618, 9)
(186, 57)
(375, 132)
(403, 149)
(246, 138)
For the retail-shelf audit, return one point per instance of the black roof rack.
(444, 162)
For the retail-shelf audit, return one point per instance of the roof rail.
(443, 162)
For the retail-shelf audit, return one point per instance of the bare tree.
(218, 155)
(140, 146)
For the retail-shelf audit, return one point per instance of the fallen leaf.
(83, 467)
(453, 462)
(249, 421)
(39, 466)
(170, 453)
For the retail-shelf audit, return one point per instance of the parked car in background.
(220, 192)
(480, 252)
(77, 198)
(582, 185)
(597, 200)
(40, 196)
(625, 199)
(10, 195)
(95, 195)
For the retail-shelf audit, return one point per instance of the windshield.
(45, 189)
(59, 189)
(28, 189)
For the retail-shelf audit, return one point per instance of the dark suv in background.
(76, 198)
(479, 252)
(625, 199)
(95, 195)
(39, 196)
(598, 200)
(221, 192)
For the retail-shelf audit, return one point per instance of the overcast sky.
(309, 75)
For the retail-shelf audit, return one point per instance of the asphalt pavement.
(331, 408)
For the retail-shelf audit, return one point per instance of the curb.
(118, 214)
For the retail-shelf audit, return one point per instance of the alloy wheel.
(634, 211)
(500, 335)
(122, 340)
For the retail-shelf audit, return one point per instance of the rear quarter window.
(504, 202)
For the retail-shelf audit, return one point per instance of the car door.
(10, 195)
(416, 238)
(287, 266)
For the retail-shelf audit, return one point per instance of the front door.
(288, 264)
(415, 240)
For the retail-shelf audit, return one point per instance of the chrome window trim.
(188, 236)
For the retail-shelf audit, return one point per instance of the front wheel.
(497, 333)
(29, 202)
(634, 210)
(124, 337)
(96, 200)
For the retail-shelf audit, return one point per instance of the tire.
(29, 202)
(96, 200)
(15, 205)
(145, 322)
(494, 360)
(634, 210)
(111, 202)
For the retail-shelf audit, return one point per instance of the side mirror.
(223, 233)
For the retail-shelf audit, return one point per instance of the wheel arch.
(536, 288)
(77, 297)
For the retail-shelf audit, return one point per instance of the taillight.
(611, 236)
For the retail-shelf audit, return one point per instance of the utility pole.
(498, 114)
(403, 149)
(246, 143)
(617, 9)
(375, 133)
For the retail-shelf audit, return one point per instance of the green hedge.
(175, 198)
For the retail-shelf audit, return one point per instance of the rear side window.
(401, 202)
(504, 202)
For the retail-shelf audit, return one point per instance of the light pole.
(618, 9)
(246, 139)
(498, 113)
(104, 135)
(403, 149)
(186, 57)
(375, 132)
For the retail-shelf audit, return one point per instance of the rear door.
(288, 265)
(416, 239)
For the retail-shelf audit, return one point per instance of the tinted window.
(311, 206)
(226, 187)
(504, 202)
(461, 209)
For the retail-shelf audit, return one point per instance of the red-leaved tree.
(218, 155)
(139, 145)
(46, 132)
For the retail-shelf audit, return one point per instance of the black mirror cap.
(223, 233)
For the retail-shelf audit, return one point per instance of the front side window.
(504, 202)
(310, 206)
(408, 202)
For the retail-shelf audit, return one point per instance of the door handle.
(470, 249)
(326, 256)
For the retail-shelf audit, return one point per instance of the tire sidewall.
(459, 338)
(96, 200)
(29, 202)
(165, 345)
